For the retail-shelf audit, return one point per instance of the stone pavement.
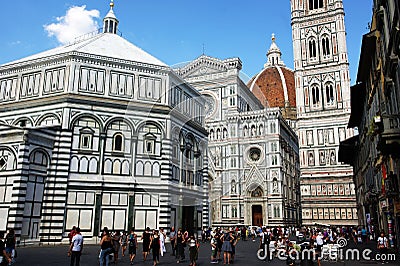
(245, 255)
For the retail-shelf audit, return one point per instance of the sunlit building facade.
(99, 133)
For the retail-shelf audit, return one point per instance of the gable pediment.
(205, 65)
(254, 179)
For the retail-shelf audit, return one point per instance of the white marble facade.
(323, 109)
(99, 133)
(253, 152)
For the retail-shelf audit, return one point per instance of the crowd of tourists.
(153, 242)
(287, 240)
(223, 243)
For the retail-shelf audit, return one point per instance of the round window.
(254, 154)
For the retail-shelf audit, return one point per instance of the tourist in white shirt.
(383, 245)
(162, 241)
(75, 249)
(320, 240)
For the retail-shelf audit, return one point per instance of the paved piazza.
(246, 255)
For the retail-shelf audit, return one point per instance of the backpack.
(266, 238)
(10, 240)
(131, 240)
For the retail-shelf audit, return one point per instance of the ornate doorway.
(257, 217)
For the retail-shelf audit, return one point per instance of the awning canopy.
(357, 98)
(368, 51)
(347, 150)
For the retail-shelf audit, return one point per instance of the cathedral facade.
(99, 133)
(252, 148)
(323, 108)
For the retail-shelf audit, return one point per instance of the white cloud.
(14, 43)
(76, 22)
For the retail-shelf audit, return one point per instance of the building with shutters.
(374, 152)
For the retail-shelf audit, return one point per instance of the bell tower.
(323, 109)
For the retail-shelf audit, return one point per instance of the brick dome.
(274, 85)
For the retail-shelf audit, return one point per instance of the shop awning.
(347, 149)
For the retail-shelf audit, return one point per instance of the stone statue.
(275, 186)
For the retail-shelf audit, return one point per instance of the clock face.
(209, 105)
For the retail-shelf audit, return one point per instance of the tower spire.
(110, 21)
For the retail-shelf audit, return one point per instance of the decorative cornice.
(211, 62)
(80, 57)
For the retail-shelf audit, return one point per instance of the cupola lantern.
(110, 21)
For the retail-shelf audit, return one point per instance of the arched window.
(261, 130)
(315, 95)
(190, 146)
(232, 101)
(38, 158)
(149, 140)
(211, 134)
(272, 128)
(253, 131)
(274, 147)
(234, 212)
(118, 142)
(274, 160)
(326, 49)
(175, 149)
(329, 94)
(150, 144)
(312, 49)
(224, 133)
(86, 138)
(315, 4)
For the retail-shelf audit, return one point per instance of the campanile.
(323, 109)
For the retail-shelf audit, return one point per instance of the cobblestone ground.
(245, 255)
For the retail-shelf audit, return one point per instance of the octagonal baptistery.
(274, 84)
(99, 133)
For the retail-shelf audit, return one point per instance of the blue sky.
(172, 30)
